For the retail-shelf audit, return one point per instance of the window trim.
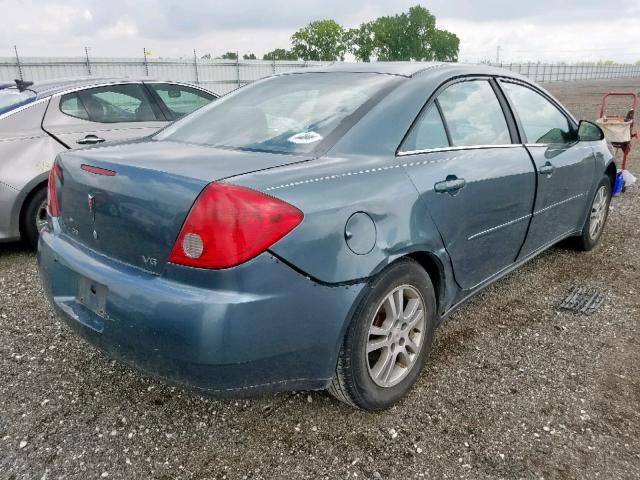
(433, 98)
(573, 124)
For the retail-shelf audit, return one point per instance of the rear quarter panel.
(329, 191)
(26, 156)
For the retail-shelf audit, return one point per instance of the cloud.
(541, 30)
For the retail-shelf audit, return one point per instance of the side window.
(117, 103)
(181, 100)
(71, 105)
(541, 120)
(428, 132)
(473, 114)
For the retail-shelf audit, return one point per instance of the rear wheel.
(389, 338)
(594, 225)
(34, 217)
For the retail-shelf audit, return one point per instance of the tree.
(280, 54)
(361, 41)
(230, 56)
(206, 56)
(445, 46)
(249, 56)
(408, 36)
(324, 40)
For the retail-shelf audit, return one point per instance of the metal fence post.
(18, 64)
(195, 65)
(86, 55)
(273, 64)
(146, 65)
(238, 68)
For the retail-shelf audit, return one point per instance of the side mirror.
(589, 132)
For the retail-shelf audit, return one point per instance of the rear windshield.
(12, 98)
(286, 114)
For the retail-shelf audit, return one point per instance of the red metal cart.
(618, 129)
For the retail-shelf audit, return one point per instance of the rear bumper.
(260, 326)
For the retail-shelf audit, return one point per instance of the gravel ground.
(515, 388)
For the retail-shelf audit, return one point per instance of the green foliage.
(249, 56)
(280, 54)
(445, 46)
(408, 36)
(230, 56)
(206, 56)
(324, 40)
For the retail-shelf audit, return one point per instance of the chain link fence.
(561, 72)
(222, 76)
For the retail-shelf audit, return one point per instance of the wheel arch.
(611, 171)
(27, 193)
(434, 268)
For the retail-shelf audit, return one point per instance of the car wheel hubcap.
(41, 216)
(395, 336)
(598, 213)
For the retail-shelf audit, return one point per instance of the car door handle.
(451, 185)
(90, 140)
(546, 169)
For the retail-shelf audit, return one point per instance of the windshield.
(11, 98)
(284, 114)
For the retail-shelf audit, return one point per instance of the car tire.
(373, 378)
(33, 217)
(598, 213)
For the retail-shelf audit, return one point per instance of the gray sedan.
(40, 120)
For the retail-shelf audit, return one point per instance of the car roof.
(46, 88)
(410, 69)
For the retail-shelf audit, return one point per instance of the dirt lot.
(515, 388)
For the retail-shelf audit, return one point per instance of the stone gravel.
(515, 387)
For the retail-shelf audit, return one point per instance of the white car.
(39, 120)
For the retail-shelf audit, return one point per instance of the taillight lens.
(228, 225)
(52, 200)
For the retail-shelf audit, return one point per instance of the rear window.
(12, 98)
(286, 114)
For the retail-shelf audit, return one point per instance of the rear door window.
(541, 120)
(179, 99)
(473, 114)
(111, 104)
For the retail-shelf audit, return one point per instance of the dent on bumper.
(259, 326)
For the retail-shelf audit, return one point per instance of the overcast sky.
(546, 30)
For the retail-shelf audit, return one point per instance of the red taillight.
(228, 225)
(52, 201)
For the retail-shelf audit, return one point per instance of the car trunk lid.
(129, 201)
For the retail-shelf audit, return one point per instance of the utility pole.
(498, 54)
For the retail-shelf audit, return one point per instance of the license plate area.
(92, 295)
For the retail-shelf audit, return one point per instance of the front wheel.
(34, 217)
(389, 338)
(594, 225)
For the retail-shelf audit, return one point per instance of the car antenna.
(22, 85)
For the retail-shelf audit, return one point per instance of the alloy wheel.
(598, 213)
(395, 336)
(41, 216)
